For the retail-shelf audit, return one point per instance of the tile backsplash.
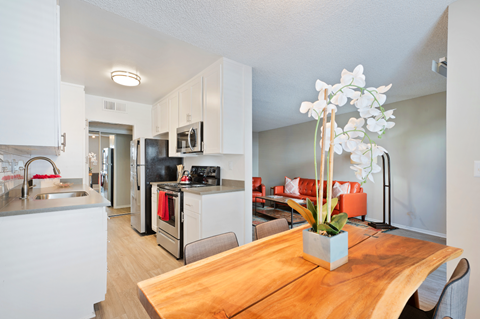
(12, 162)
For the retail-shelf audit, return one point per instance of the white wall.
(138, 115)
(417, 149)
(121, 189)
(255, 154)
(72, 162)
(236, 162)
(463, 129)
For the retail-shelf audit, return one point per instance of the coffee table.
(278, 200)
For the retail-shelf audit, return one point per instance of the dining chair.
(453, 300)
(207, 247)
(271, 228)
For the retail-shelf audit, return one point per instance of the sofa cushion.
(339, 189)
(291, 186)
(354, 186)
(256, 183)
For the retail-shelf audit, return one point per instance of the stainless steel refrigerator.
(149, 162)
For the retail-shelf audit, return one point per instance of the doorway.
(108, 156)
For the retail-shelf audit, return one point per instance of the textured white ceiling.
(290, 44)
(95, 42)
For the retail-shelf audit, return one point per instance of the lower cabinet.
(213, 214)
(56, 266)
(192, 227)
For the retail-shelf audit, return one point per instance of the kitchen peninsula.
(53, 253)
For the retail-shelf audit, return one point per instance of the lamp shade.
(125, 78)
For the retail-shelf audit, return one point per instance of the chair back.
(256, 183)
(207, 247)
(271, 228)
(453, 300)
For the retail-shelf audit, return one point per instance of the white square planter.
(327, 252)
(45, 183)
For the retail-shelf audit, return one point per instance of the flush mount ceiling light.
(125, 78)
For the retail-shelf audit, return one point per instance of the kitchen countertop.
(33, 206)
(209, 190)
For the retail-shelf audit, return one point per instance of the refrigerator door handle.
(136, 162)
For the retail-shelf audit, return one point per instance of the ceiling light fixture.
(125, 78)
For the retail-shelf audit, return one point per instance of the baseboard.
(418, 230)
(121, 206)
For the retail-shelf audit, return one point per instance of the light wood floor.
(133, 258)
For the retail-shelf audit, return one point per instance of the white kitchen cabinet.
(30, 64)
(154, 208)
(213, 214)
(192, 228)
(190, 107)
(160, 118)
(154, 120)
(173, 124)
(227, 86)
(57, 264)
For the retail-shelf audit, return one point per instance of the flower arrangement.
(37, 176)
(353, 138)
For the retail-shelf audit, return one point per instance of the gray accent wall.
(417, 146)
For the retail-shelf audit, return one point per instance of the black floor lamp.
(384, 225)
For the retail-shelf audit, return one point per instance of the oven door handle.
(190, 132)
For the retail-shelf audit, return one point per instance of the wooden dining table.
(268, 278)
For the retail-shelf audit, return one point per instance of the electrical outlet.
(476, 169)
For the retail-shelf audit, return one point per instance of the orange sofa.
(258, 189)
(354, 203)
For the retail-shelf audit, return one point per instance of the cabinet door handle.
(188, 204)
(64, 144)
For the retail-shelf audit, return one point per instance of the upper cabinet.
(173, 121)
(227, 91)
(219, 96)
(30, 61)
(160, 119)
(190, 107)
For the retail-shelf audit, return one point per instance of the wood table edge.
(404, 295)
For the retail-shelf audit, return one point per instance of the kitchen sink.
(61, 195)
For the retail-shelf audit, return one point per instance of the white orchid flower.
(305, 107)
(350, 145)
(356, 77)
(341, 95)
(375, 169)
(364, 100)
(337, 141)
(317, 109)
(382, 89)
(368, 111)
(376, 126)
(354, 125)
(320, 86)
(330, 107)
(387, 115)
(359, 172)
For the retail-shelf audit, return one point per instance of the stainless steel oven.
(190, 138)
(170, 233)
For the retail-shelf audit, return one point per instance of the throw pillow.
(339, 189)
(291, 186)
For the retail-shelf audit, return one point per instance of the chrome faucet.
(25, 173)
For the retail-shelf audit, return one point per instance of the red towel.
(163, 211)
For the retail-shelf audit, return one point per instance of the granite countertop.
(210, 190)
(31, 205)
